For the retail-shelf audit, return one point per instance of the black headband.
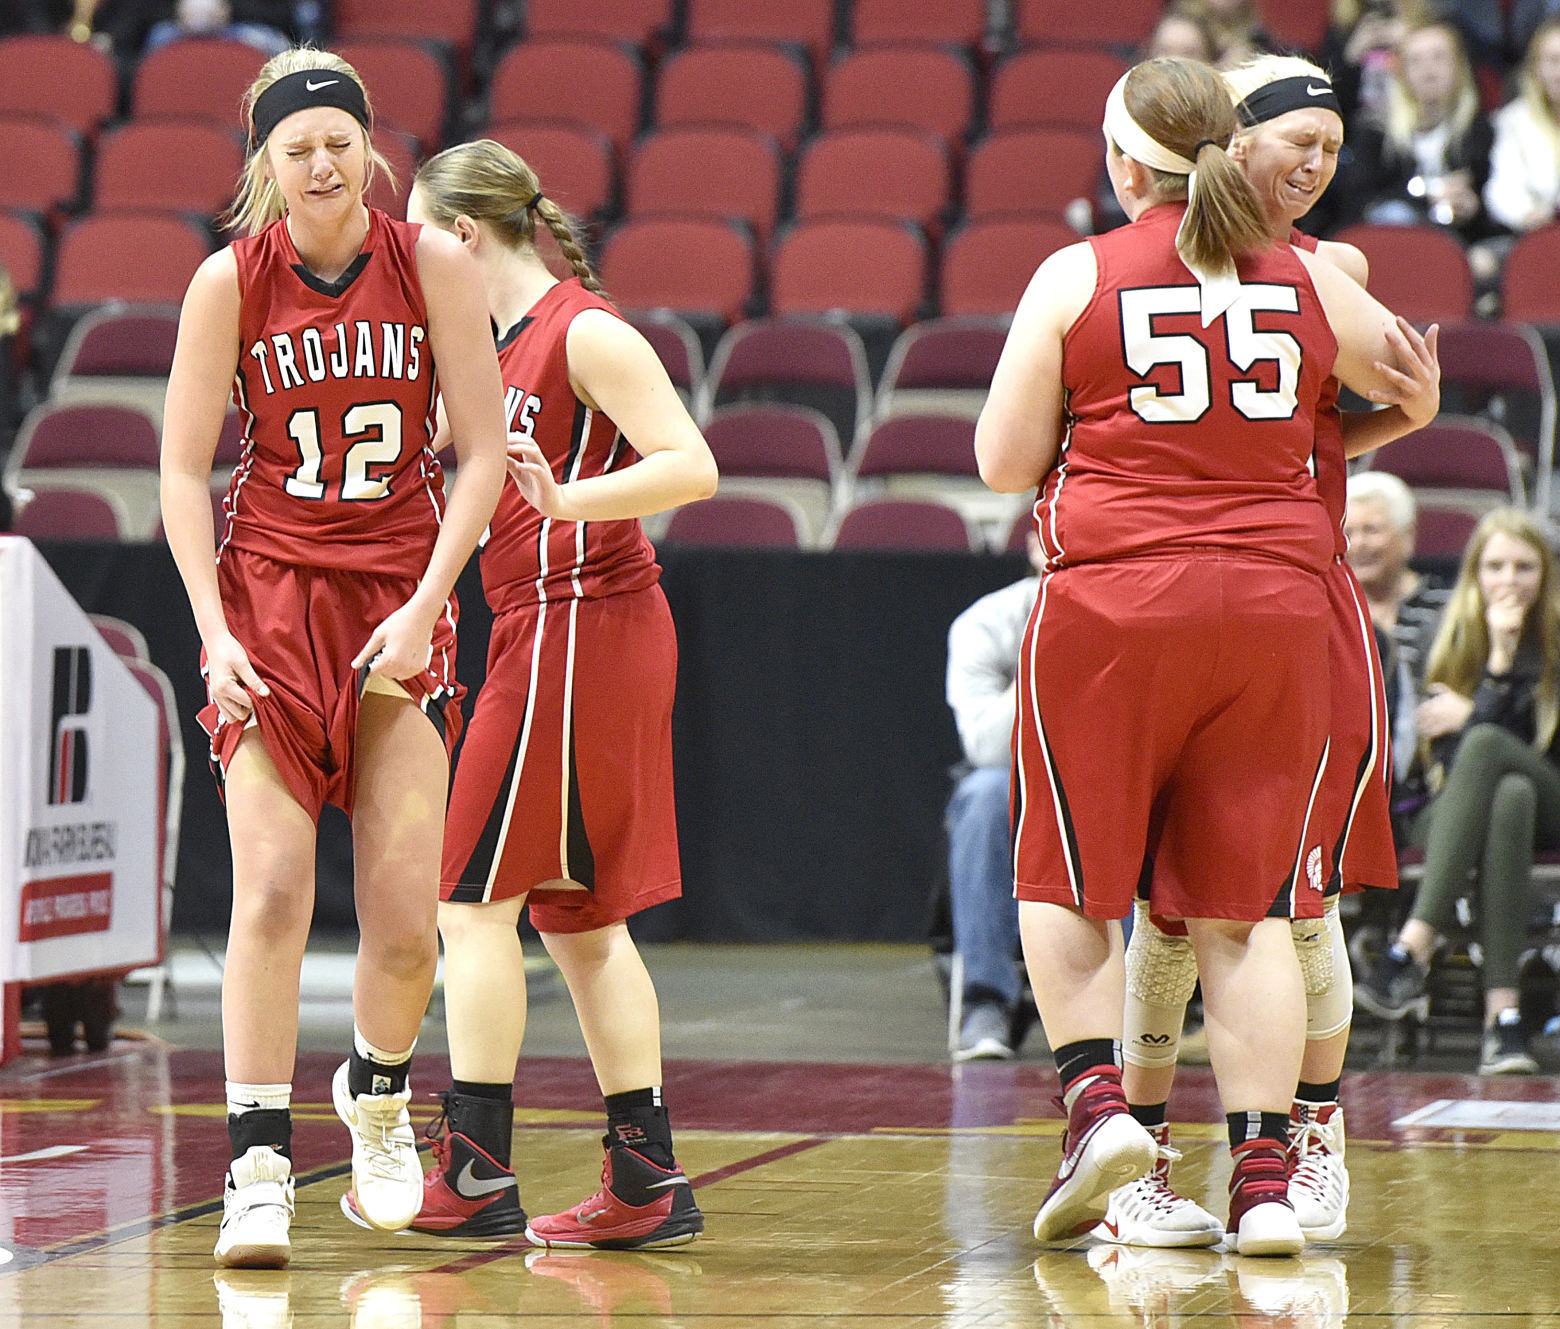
(1287, 94)
(300, 91)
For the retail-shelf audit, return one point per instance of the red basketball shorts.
(566, 774)
(301, 628)
(1354, 806)
(1175, 711)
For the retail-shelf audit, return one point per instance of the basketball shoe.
(253, 1299)
(1262, 1220)
(257, 1210)
(1147, 1212)
(1318, 1180)
(467, 1192)
(639, 1207)
(387, 1182)
(1102, 1148)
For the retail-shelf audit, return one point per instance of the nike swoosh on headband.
(471, 1187)
(312, 86)
(1316, 92)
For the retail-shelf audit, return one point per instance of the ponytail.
(490, 183)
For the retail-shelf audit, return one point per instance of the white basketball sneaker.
(1318, 1180)
(257, 1210)
(1147, 1212)
(387, 1179)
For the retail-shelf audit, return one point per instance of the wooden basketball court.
(840, 1194)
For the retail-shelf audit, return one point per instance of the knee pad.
(1324, 964)
(1161, 973)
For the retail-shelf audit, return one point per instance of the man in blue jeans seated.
(983, 645)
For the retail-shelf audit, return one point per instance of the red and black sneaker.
(1262, 1219)
(639, 1207)
(1103, 1147)
(467, 1192)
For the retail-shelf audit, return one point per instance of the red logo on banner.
(66, 906)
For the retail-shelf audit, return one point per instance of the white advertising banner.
(79, 885)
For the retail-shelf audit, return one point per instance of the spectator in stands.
(1523, 189)
(222, 18)
(1361, 50)
(983, 646)
(1236, 27)
(1428, 157)
(1183, 33)
(1490, 725)
(1527, 16)
(1404, 605)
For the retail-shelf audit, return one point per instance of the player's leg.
(272, 839)
(470, 1191)
(398, 798)
(645, 1200)
(1254, 1006)
(1319, 1179)
(1161, 973)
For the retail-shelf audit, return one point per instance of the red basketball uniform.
(1172, 693)
(1354, 804)
(335, 504)
(566, 774)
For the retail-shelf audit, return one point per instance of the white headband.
(1219, 289)
(1133, 140)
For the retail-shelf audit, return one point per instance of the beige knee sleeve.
(1324, 963)
(1161, 973)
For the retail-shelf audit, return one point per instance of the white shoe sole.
(254, 1255)
(1268, 1229)
(1118, 1152)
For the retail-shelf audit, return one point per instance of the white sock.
(242, 1098)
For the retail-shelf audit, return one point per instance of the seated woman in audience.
(1489, 721)
(1361, 48)
(1182, 33)
(1524, 185)
(1428, 156)
(1237, 29)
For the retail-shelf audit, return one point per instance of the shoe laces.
(384, 1130)
(1314, 1161)
(1151, 1193)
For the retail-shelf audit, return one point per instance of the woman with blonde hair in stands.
(1489, 722)
(1523, 191)
(563, 795)
(1288, 145)
(1177, 509)
(1426, 156)
(326, 617)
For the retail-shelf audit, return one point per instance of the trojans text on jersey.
(366, 350)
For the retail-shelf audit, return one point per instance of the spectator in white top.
(1523, 190)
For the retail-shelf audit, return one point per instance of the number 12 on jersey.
(1245, 346)
(373, 432)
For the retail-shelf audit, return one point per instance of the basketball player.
(563, 793)
(326, 617)
(1292, 130)
(1169, 696)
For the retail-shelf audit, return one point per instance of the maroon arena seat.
(733, 522)
(734, 83)
(576, 163)
(48, 74)
(903, 524)
(1420, 272)
(199, 76)
(709, 171)
(168, 164)
(925, 87)
(856, 266)
(987, 264)
(541, 79)
(693, 265)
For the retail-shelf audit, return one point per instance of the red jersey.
(336, 384)
(1180, 437)
(1330, 465)
(529, 558)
